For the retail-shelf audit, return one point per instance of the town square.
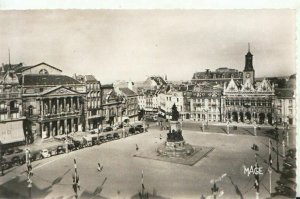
(148, 104)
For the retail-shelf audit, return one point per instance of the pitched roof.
(284, 93)
(107, 86)
(36, 79)
(90, 78)
(51, 90)
(158, 80)
(22, 69)
(127, 91)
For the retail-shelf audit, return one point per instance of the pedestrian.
(136, 147)
(99, 168)
(160, 136)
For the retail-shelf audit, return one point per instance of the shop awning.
(11, 132)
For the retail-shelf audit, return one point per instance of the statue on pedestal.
(175, 113)
(174, 135)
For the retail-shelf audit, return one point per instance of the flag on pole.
(143, 187)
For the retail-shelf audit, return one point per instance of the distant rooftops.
(127, 91)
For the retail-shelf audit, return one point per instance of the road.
(53, 176)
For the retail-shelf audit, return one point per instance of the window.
(290, 111)
(290, 102)
(43, 72)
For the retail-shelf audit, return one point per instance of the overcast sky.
(131, 44)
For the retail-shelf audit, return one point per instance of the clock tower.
(248, 72)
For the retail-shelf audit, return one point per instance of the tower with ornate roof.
(249, 72)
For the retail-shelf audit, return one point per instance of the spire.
(248, 47)
(9, 57)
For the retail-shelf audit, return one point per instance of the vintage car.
(45, 153)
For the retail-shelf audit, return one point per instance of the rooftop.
(36, 79)
(127, 91)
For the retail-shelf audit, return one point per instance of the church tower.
(248, 72)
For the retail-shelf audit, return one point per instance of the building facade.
(112, 105)
(248, 101)
(54, 104)
(11, 113)
(206, 104)
(93, 100)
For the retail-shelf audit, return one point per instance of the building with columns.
(53, 107)
(54, 104)
(248, 101)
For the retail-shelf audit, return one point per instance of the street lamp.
(227, 126)
(254, 126)
(277, 143)
(1, 159)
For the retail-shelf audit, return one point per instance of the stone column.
(71, 105)
(42, 107)
(77, 103)
(57, 106)
(50, 105)
(58, 127)
(42, 129)
(65, 101)
(72, 125)
(65, 126)
(51, 130)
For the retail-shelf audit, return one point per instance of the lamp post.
(270, 180)
(228, 127)
(1, 160)
(270, 169)
(283, 148)
(254, 126)
(287, 138)
(277, 145)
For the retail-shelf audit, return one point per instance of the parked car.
(6, 164)
(107, 129)
(16, 160)
(109, 137)
(102, 138)
(71, 146)
(139, 128)
(95, 140)
(116, 136)
(60, 149)
(45, 153)
(77, 144)
(131, 130)
(87, 141)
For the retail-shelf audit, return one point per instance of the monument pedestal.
(175, 146)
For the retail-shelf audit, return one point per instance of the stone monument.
(175, 145)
